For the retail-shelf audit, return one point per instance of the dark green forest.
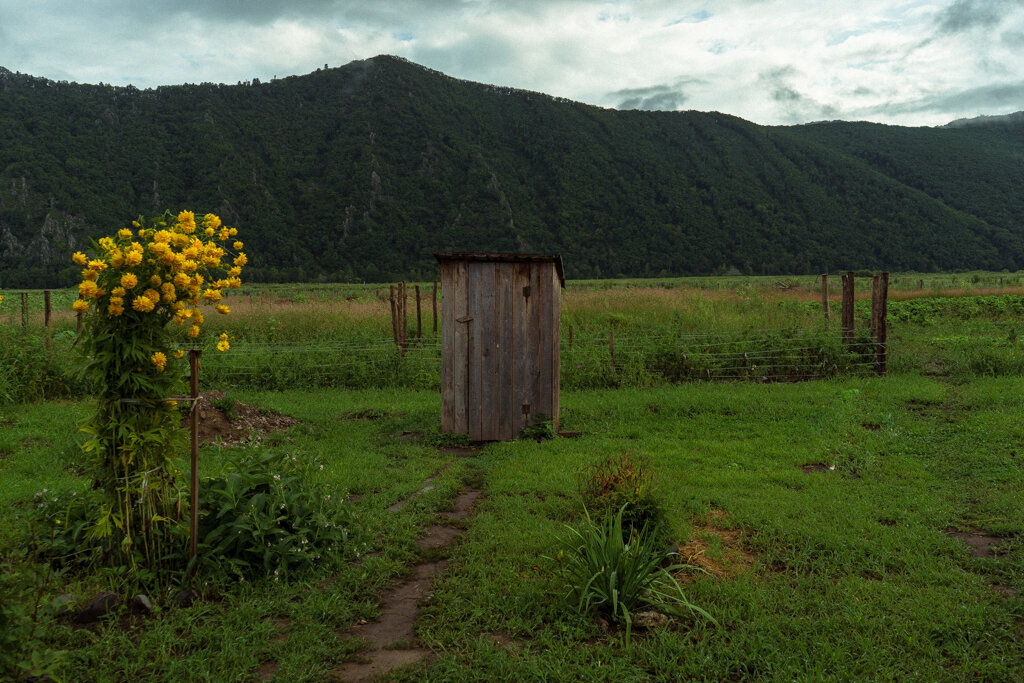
(360, 173)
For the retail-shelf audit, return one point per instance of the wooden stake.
(881, 332)
(24, 309)
(847, 311)
(435, 309)
(46, 315)
(193, 364)
(394, 316)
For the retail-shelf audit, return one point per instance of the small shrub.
(267, 516)
(623, 484)
(438, 439)
(616, 576)
(541, 429)
(226, 405)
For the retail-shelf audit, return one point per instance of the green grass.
(854, 575)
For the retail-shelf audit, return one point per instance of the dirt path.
(391, 639)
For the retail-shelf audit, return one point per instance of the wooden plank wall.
(500, 337)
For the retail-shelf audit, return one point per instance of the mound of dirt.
(230, 423)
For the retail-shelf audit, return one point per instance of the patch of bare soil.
(715, 549)
(810, 467)
(391, 638)
(979, 543)
(229, 423)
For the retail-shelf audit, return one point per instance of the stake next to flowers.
(140, 298)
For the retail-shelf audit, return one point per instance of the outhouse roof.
(502, 257)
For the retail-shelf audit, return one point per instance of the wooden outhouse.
(499, 342)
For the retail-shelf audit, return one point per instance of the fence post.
(435, 309)
(394, 315)
(404, 322)
(419, 318)
(824, 297)
(46, 315)
(78, 323)
(882, 325)
(874, 304)
(24, 309)
(847, 311)
(193, 522)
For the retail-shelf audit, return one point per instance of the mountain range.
(361, 173)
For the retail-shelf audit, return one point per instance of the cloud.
(654, 98)
(795, 106)
(964, 15)
(995, 97)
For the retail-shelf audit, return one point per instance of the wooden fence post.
(193, 522)
(419, 317)
(435, 309)
(404, 322)
(847, 311)
(46, 315)
(882, 324)
(24, 309)
(394, 316)
(824, 296)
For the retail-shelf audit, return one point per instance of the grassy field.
(849, 528)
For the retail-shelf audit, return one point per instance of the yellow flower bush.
(154, 273)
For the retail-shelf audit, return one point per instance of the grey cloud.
(1013, 38)
(662, 97)
(795, 106)
(999, 97)
(964, 15)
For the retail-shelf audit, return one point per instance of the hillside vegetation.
(362, 172)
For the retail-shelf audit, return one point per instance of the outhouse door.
(500, 368)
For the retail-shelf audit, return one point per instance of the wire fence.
(588, 360)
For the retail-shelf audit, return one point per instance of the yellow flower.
(193, 331)
(233, 231)
(98, 265)
(187, 221)
(114, 309)
(79, 258)
(241, 260)
(162, 236)
(224, 234)
(155, 281)
(116, 258)
(223, 308)
(238, 246)
(198, 317)
(178, 353)
(171, 404)
(129, 280)
(133, 258)
(88, 274)
(209, 232)
(86, 289)
(167, 292)
(80, 305)
(223, 345)
(136, 223)
(211, 221)
(106, 243)
(143, 304)
(152, 295)
(235, 272)
(125, 233)
(223, 336)
(97, 293)
(212, 295)
(159, 360)
(117, 291)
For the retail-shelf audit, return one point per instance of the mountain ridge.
(361, 172)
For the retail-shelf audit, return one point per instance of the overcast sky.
(907, 62)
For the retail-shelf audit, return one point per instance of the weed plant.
(615, 572)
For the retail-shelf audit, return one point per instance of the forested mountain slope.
(361, 172)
